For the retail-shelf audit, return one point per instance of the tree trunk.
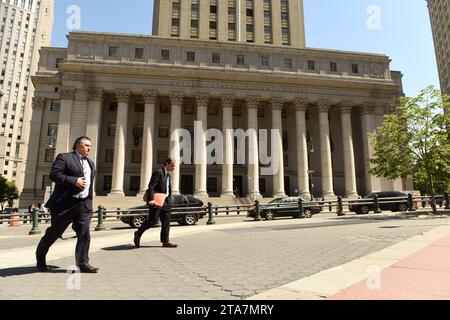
(433, 198)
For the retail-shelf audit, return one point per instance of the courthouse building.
(232, 65)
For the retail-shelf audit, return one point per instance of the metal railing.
(411, 203)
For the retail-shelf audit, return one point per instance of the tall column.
(123, 97)
(65, 116)
(277, 124)
(227, 127)
(325, 150)
(368, 126)
(253, 167)
(201, 159)
(175, 124)
(258, 21)
(349, 152)
(276, 23)
(147, 141)
(94, 120)
(222, 20)
(301, 106)
(204, 20)
(185, 19)
(39, 104)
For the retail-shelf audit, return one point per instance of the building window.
(288, 63)
(112, 52)
(213, 25)
(109, 155)
(139, 53)
(113, 106)
(49, 155)
(231, 26)
(162, 156)
(107, 183)
(194, 23)
(333, 66)
(213, 9)
(165, 55)
(240, 60)
(52, 129)
(136, 156)
(215, 58)
(189, 108)
(163, 132)
(264, 61)
(59, 61)
(139, 107)
(311, 65)
(46, 182)
(262, 185)
(249, 12)
(111, 130)
(250, 28)
(212, 185)
(355, 68)
(135, 183)
(190, 56)
(55, 105)
(164, 107)
(175, 22)
(213, 110)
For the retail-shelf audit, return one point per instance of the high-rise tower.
(440, 17)
(274, 22)
(25, 26)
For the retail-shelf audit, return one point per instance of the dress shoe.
(87, 268)
(169, 245)
(137, 239)
(41, 265)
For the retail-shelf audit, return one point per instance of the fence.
(299, 210)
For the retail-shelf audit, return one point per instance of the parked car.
(286, 207)
(386, 204)
(185, 217)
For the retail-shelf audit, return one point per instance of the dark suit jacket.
(158, 184)
(65, 172)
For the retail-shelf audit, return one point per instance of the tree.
(414, 143)
(8, 193)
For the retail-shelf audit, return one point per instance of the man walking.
(159, 183)
(71, 202)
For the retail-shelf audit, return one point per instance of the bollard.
(35, 229)
(340, 207)
(100, 226)
(410, 202)
(447, 202)
(257, 213)
(301, 208)
(210, 215)
(376, 203)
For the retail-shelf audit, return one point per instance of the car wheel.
(403, 207)
(137, 222)
(364, 210)
(190, 219)
(270, 215)
(308, 213)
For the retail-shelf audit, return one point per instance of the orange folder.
(159, 199)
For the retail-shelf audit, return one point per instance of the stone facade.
(440, 15)
(129, 93)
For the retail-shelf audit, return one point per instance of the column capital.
(123, 95)
(67, 93)
(177, 98)
(227, 101)
(367, 108)
(346, 106)
(301, 104)
(150, 97)
(202, 99)
(95, 94)
(38, 102)
(324, 105)
(277, 103)
(253, 102)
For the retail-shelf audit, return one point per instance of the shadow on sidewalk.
(28, 270)
(129, 247)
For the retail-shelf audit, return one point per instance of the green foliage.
(8, 192)
(414, 143)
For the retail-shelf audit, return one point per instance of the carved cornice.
(202, 99)
(277, 103)
(123, 95)
(368, 108)
(67, 93)
(228, 101)
(39, 102)
(301, 104)
(150, 97)
(253, 102)
(177, 98)
(95, 94)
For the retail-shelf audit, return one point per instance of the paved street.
(232, 260)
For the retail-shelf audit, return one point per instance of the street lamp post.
(310, 172)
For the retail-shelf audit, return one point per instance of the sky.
(398, 28)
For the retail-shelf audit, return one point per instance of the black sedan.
(189, 216)
(287, 207)
(393, 200)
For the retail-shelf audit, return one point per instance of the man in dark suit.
(71, 202)
(159, 183)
